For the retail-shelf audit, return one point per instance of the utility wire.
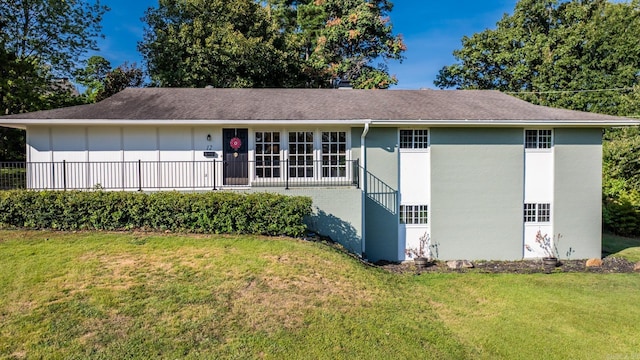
(568, 91)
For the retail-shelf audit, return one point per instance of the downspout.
(363, 182)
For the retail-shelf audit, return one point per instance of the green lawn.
(128, 295)
(627, 248)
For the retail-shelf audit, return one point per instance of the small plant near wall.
(550, 248)
(421, 254)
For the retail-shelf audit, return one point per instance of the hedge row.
(212, 212)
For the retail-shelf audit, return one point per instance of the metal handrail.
(161, 175)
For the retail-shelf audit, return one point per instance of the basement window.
(537, 212)
(414, 214)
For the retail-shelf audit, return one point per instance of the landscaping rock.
(610, 265)
(459, 264)
(636, 267)
(594, 263)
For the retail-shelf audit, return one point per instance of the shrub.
(212, 212)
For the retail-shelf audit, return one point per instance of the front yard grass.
(135, 295)
(628, 248)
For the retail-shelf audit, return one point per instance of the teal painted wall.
(337, 213)
(477, 187)
(381, 200)
(577, 206)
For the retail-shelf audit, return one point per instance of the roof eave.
(23, 123)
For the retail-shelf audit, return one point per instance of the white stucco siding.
(415, 189)
(38, 144)
(69, 143)
(70, 153)
(538, 184)
(105, 143)
(175, 143)
(415, 173)
(203, 171)
(39, 155)
(176, 149)
(201, 144)
(140, 143)
(105, 156)
(538, 179)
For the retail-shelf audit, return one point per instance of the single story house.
(480, 172)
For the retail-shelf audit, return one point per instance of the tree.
(223, 43)
(56, 33)
(40, 44)
(557, 53)
(343, 39)
(120, 78)
(101, 81)
(277, 43)
(93, 75)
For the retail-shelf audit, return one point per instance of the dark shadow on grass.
(613, 244)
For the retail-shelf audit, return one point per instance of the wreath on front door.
(235, 143)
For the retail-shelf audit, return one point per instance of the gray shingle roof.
(313, 104)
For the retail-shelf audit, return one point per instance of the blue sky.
(432, 30)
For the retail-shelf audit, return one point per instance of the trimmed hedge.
(211, 212)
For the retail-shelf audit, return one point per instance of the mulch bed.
(610, 265)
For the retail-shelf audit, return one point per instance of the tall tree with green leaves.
(275, 43)
(557, 53)
(102, 81)
(41, 41)
(56, 33)
(92, 76)
(120, 78)
(222, 43)
(351, 40)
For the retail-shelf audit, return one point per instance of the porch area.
(213, 174)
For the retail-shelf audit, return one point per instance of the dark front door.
(236, 158)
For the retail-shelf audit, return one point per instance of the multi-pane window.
(414, 139)
(537, 139)
(301, 154)
(334, 154)
(413, 214)
(537, 212)
(267, 154)
(544, 212)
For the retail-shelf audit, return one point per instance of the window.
(537, 212)
(544, 212)
(413, 214)
(334, 154)
(301, 154)
(537, 139)
(414, 139)
(267, 154)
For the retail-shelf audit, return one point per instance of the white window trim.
(254, 153)
(537, 213)
(415, 150)
(415, 208)
(317, 151)
(537, 149)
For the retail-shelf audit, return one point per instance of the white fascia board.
(509, 123)
(94, 122)
(23, 123)
(18, 125)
